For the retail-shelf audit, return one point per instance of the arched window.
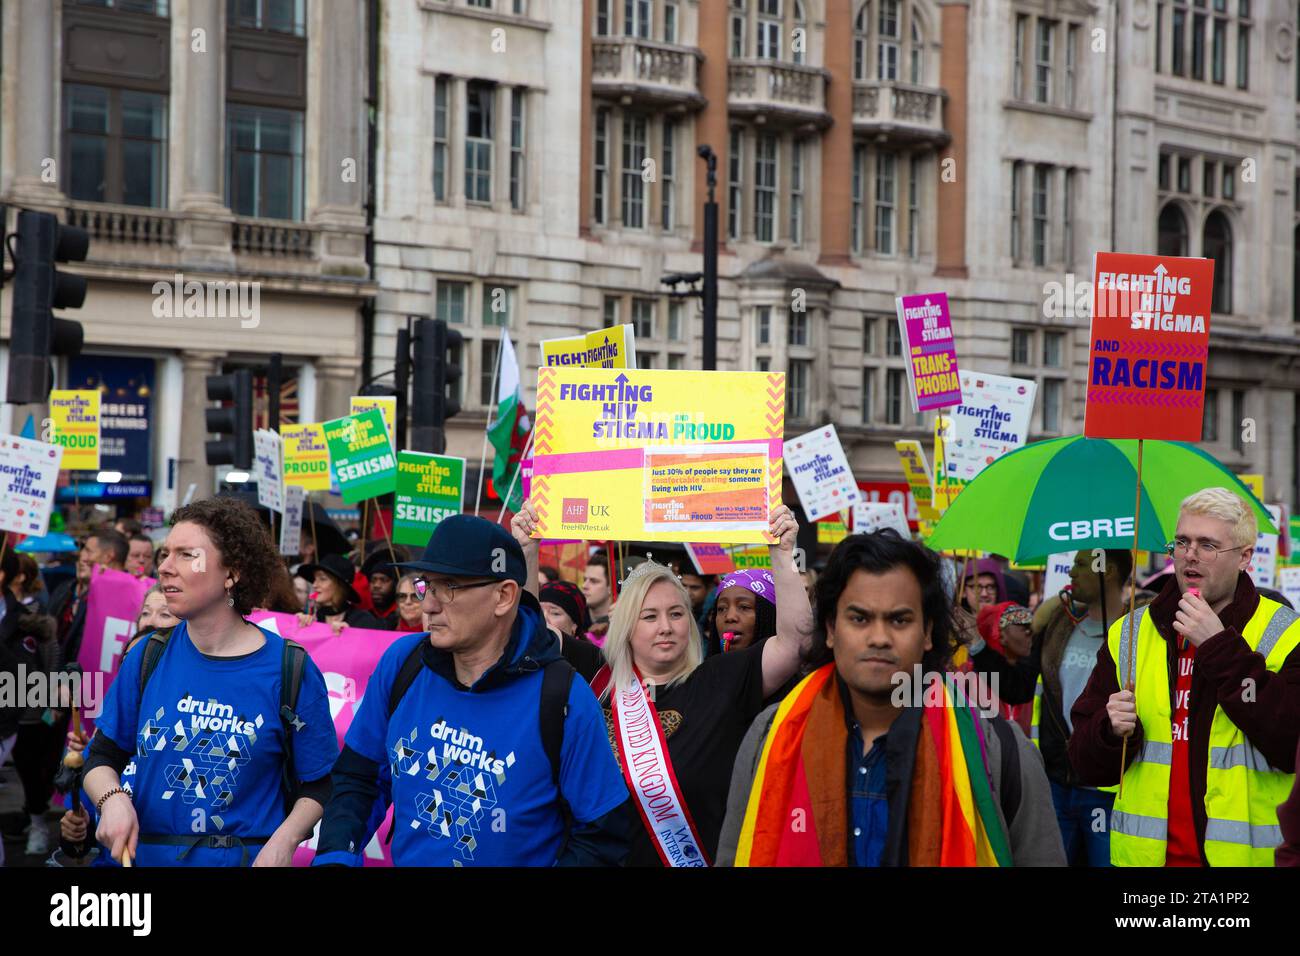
(1217, 245)
(917, 64)
(889, 34)
(861, 30)
(1172, 227)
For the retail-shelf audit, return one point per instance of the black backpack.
(552, 708)
(293, 663)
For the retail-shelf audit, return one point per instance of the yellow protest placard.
(657, 455)
(1255, 483)
(387, 405)
(74, 421)
(917, 472)
(614, 347)
(833, 530)
(306, 456)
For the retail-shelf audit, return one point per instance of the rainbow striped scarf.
(797, 814)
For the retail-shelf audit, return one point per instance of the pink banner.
(346, 660)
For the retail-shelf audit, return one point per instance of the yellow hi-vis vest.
(1242, 790)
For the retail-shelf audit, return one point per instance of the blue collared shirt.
(868, 806)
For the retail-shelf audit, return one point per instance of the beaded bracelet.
(99, 804)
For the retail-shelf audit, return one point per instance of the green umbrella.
(1071, 493)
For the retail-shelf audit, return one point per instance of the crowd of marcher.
(897, 707)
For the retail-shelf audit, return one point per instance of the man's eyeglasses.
(1181, 546)
(445, 593)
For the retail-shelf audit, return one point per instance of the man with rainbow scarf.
(877, 758)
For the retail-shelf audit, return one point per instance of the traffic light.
(234, 421)
(435, 372)
(39, 288)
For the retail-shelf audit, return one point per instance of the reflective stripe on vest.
(1242, 790)
(1037, 712)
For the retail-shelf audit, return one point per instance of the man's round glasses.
(1181, 546)
(445, 593)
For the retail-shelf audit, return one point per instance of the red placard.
(895, 492)
(1149, 347)
(710, 558)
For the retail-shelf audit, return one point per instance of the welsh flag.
(508, 432)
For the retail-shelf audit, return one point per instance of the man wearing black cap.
(336, 601)
(498, 755)
(380, 573)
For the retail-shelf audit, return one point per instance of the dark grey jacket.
(1034, 833)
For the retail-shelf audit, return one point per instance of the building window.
(868, 395)
(1184, 174)
(1067, 216)
(518, 171)
(885, 199)
(440, 145)
(1238, 413)
(796, 192)
(1160, 29)
(798, 49)
(1217, 245)
(796, 393)
(735, 188)
(1198, 46)
(634, 155)
(264, 149)
(115, 145)
(676, 361)
(1208, 173)
(487, 371)
(1018, 66)
(914, 207)
(610, 311)
(894, 389)
(868, 335)
(670, 23)
(498, 304)
(798, 330)
(1042, 185)
(1162, 168)
(1210, 423)
(1071, 64)
(738, 29)
(861, 30)
(1178, 66)
(1043, 62)
(762, 364)
(1172, 232)
(1218, 52)
(765, 187)
(479, 126)
(859, 177)
(1053, 390)
(647, 359)
(1021, 341)
(893, 340)
(888, 35)
(636, 18)
(1015, 210)
(604, 21)
(676, 312)
(1229, 180)
(1243, 57)
(767, 44)
(668, 176)
(600, 207)
(1054, 349)
(763, 325)
(917, 54)
(277, 16)
(451, 302)
(643, 319)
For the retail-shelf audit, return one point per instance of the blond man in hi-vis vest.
(1209, 704)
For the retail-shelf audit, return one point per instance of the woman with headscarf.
(744, 611)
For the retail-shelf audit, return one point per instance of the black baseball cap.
(465, 546)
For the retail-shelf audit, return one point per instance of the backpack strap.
(406, 676)
(154, 646)
(553, 708)
(293, 663)
(1010, 795)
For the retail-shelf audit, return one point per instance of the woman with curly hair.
(212, 747)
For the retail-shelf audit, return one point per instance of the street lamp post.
(710, 291)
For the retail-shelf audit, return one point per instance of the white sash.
(650, 777)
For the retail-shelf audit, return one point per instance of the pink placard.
(928, 344)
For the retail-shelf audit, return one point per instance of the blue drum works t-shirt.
(209, 744)
(471, 782)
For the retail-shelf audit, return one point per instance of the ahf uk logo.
(575, 511)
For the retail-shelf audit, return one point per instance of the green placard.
(361, 456)
(429, 488)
